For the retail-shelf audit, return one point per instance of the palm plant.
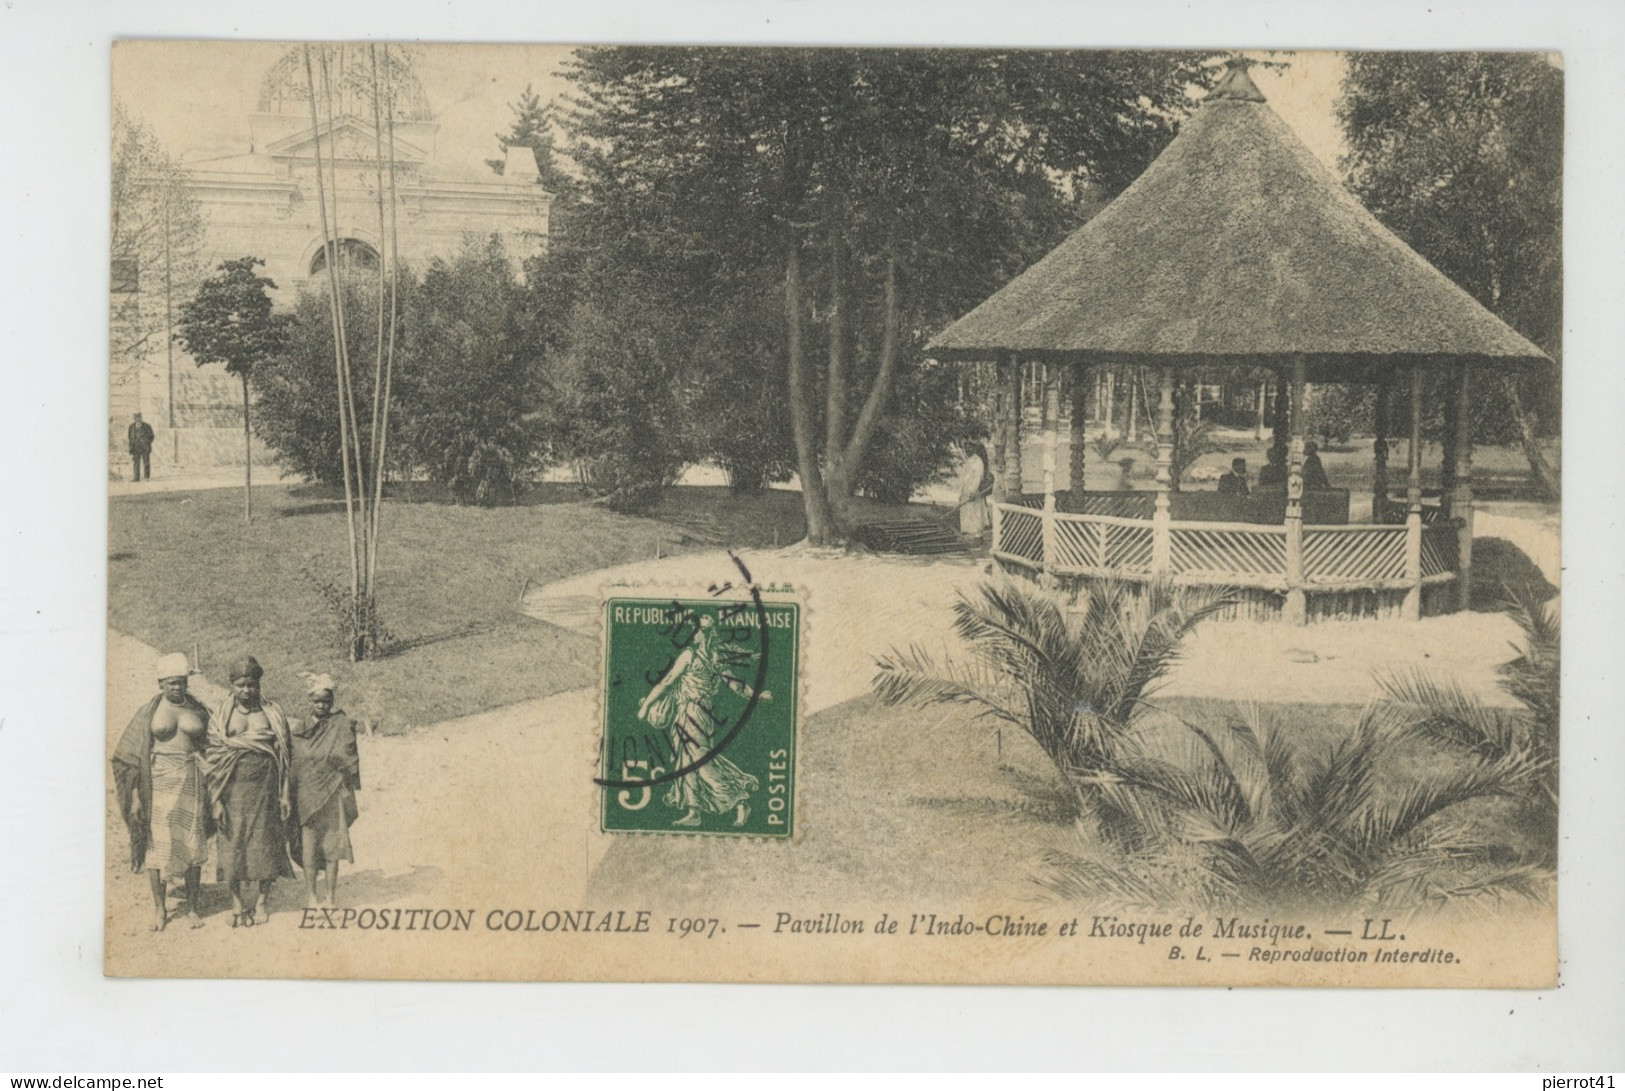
(1072, 673)
(1437, 710)
(1250, 823)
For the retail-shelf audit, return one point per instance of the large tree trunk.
(816, 505)
(838, 474)
(248, 458)
(844, 460)
(1546, 475)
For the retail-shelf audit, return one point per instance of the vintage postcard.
(834, 515)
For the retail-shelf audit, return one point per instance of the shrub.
(476, 379)
(1250, 821)
(1073, 675)
(297, 413)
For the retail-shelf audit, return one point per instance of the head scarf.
(173, 665)
(246, 667)
(319, 683)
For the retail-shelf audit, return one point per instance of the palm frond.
(915, 677)
(1534, 676)
(1389, 820)
(1417, 703)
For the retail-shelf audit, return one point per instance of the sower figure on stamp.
(682, 703)
(140, 437)
(158, 769)
(249, 792)
(326, 774)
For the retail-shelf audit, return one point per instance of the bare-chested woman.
(249, 793)
(159, 770)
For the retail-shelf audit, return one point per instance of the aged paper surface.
(618, 716)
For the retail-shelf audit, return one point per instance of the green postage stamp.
(700, 706)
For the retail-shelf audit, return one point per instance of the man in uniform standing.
(141, 447)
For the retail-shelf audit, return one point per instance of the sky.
(197, 95)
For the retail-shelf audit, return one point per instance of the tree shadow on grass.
(396, 647)
(315, 499)
(1501, 569)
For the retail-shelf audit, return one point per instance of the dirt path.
(859, 608)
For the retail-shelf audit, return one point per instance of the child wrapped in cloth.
(326, 775)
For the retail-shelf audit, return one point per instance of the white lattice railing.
(1439, 548)
(1227, 549)
(1353, 554)
(1020, 533)
(1243, 554)
(1129, 544)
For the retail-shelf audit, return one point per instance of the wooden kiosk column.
(1050, 419)
(999, 432)
(1295, 611)
(1161, 517)
(1001, 491)
(1078, 376)
(1379, 450)
(1015, 411)
(1461, 504)
(1412, 608)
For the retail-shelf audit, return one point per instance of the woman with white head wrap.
(326, 774)
(158, 769)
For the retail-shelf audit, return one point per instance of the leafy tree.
(534, 126)
(918, 442)
(158, 238)
(469, 399)
(294, 400)
(230, 321)
(1461, 154)
(1336, 411)
(887, 191)
(623, 382)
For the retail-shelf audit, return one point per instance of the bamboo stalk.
(347, 394)
(394, 314)
(338, 366)
(371, 537)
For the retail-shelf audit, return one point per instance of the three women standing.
(265, 785)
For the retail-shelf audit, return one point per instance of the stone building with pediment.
(264, 202)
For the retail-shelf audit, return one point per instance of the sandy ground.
(486, 810)
(859, 611)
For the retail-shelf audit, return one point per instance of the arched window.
(354, 255)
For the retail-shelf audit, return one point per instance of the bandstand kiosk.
(1237, 248)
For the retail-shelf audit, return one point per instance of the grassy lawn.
(185, 572)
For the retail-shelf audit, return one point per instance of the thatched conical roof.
(1235, 246)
